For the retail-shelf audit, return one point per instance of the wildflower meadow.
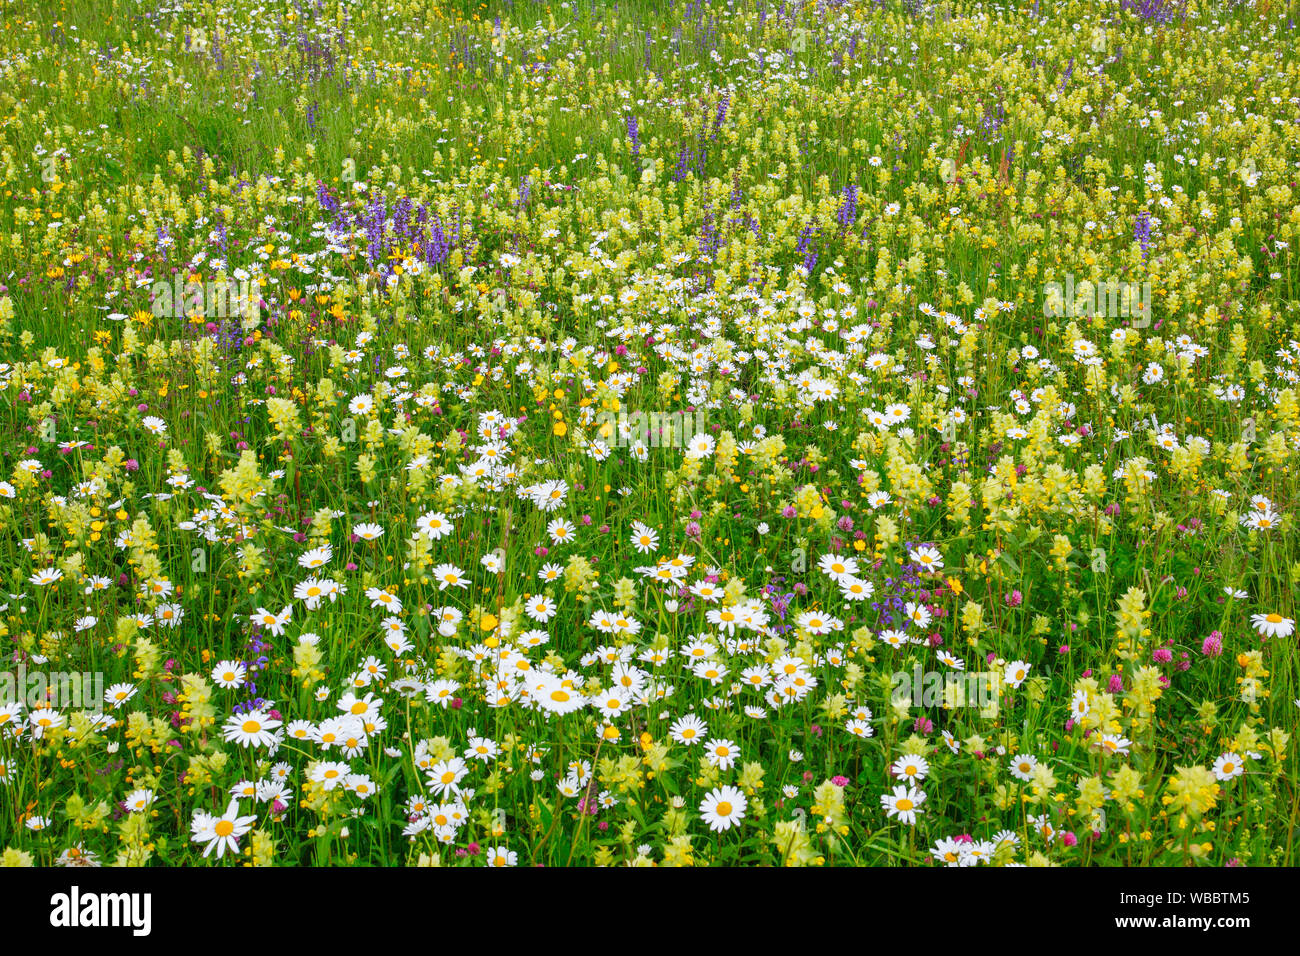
(649, 433)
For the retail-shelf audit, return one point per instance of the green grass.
(990, 150)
